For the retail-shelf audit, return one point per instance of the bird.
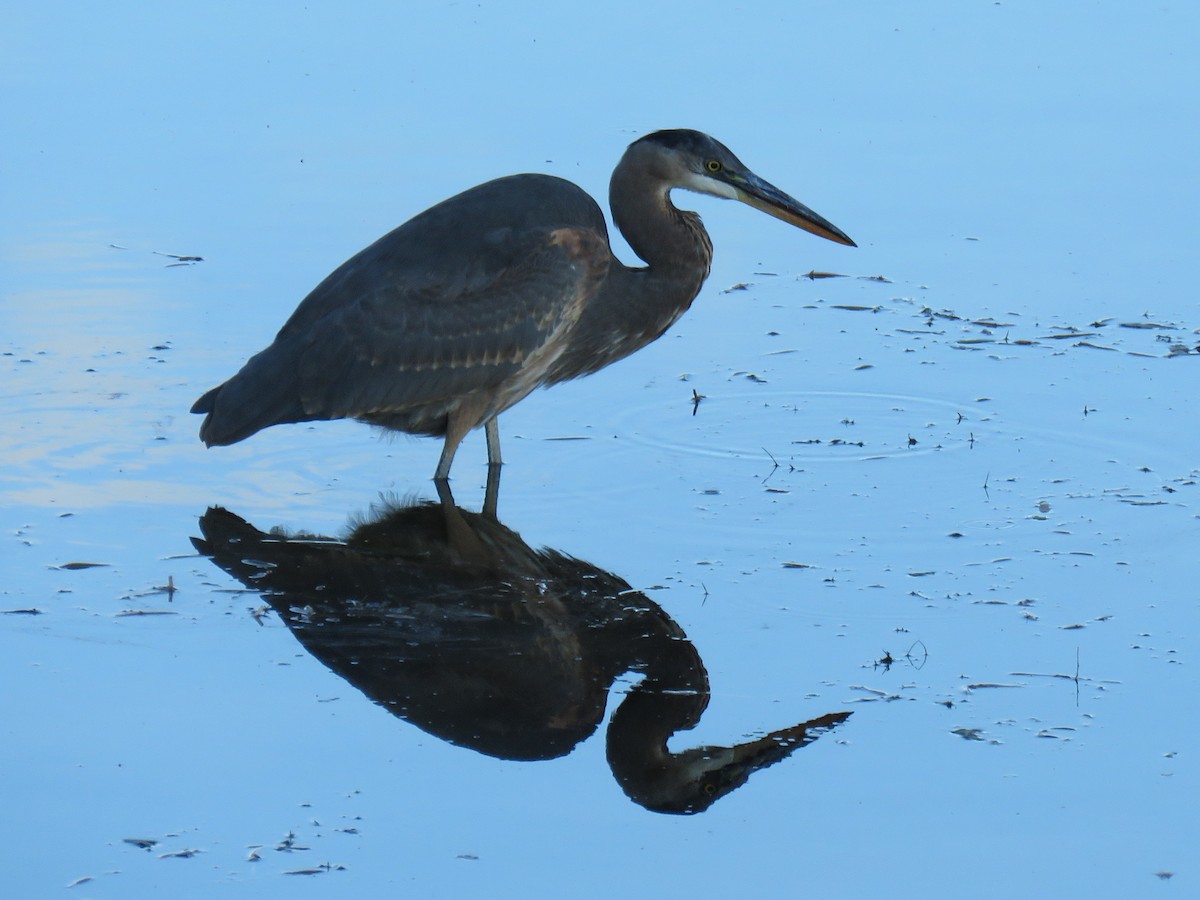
(461, 312)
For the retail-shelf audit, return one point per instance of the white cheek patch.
(702, 184)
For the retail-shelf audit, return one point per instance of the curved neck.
(634, 306)
(668, 239)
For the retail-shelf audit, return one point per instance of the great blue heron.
(450, 319)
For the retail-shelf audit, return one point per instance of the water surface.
(952, 492)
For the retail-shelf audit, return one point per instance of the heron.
(461, 312)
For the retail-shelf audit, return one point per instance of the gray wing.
(400, 347)
(388, 340)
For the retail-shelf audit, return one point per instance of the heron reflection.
(450, 621)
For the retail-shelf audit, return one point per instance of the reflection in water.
(453, 623)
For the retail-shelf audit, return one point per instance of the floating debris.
(288, 844)
(179, 260)
(814, 275)
(941, 314)
(31, 611)
(877, 694)
(146, 612)
(142, 843)
(1149, 325)
(991, 684)
(73, 566)
(180, 854)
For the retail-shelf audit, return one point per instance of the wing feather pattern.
(410, 353)
(391, 341)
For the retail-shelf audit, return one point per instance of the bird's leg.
(459, 421)
(448, 450)
(492, 494)
(492, 430)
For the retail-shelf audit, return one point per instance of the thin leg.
(447, 458)
(458, 423)
(492, 430)
(492, 494)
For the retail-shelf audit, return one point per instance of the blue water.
(921, 468)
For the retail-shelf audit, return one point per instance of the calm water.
(954, 493)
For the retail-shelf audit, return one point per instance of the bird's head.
(696, 162)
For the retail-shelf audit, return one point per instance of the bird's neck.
(672, 242)
(634, 306)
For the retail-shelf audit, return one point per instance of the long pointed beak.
(763, 195)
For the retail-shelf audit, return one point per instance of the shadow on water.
(450, 621)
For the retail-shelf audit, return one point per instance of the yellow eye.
(713, 166)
